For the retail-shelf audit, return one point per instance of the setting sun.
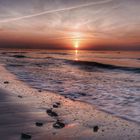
(76, 44)
(76, 39)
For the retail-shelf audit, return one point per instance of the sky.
(87, 24)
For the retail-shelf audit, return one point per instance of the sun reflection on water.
(76, 55)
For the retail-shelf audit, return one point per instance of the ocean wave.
(54, 53)
(110, 87)
(88, 65)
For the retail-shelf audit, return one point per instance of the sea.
(109, 80)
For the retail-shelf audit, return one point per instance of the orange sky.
(68, 42)
(96, 24)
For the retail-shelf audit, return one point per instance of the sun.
(76, 44)
(76, 39)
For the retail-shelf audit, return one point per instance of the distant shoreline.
(98, 50)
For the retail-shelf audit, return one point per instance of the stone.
(6, 82)
(56, 105)
(19, 96)
(58, 125)
(25, 136)
(95, 128)
(39, 124)
(51, 113)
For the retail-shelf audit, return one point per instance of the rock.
(25, 136)
(51, 113)
(19, 96)
(39, 90)
(39, 124)
(95, 128)
(56, 105)
(19, 56)
(58, 125)
(6, 82)
(82, 94)
(38, 65)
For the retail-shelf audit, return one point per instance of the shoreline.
(81, 101)
(79, 117)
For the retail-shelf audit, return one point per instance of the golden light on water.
(76, 55)
(76, 46)
(76, 52)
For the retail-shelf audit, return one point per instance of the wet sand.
(40, 115)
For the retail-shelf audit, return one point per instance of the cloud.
(54, 11)
(59, 19)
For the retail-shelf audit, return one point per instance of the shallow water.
(112, 83)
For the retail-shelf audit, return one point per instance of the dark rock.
(25, 136)
(58, 125)
(6, 82)
(19, 56)
(66, 96)
(39, 124)
(103, 130)
(51, 113)
(82, 94)
(56, 105)
(39, 65)
(19, 96)
(48, 57)
(39, 90)
(95, 128)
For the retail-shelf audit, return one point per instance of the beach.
(69, 70)
(23, 108)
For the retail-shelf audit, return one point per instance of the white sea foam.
(113, 89)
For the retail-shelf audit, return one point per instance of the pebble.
(51, 113)
(58, 125)
(25, 136)
(95, 128)
(39, 124)
(6, 82)
(19, 96)
(56, 105)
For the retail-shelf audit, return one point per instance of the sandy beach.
(43, 115)
(69, 69)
